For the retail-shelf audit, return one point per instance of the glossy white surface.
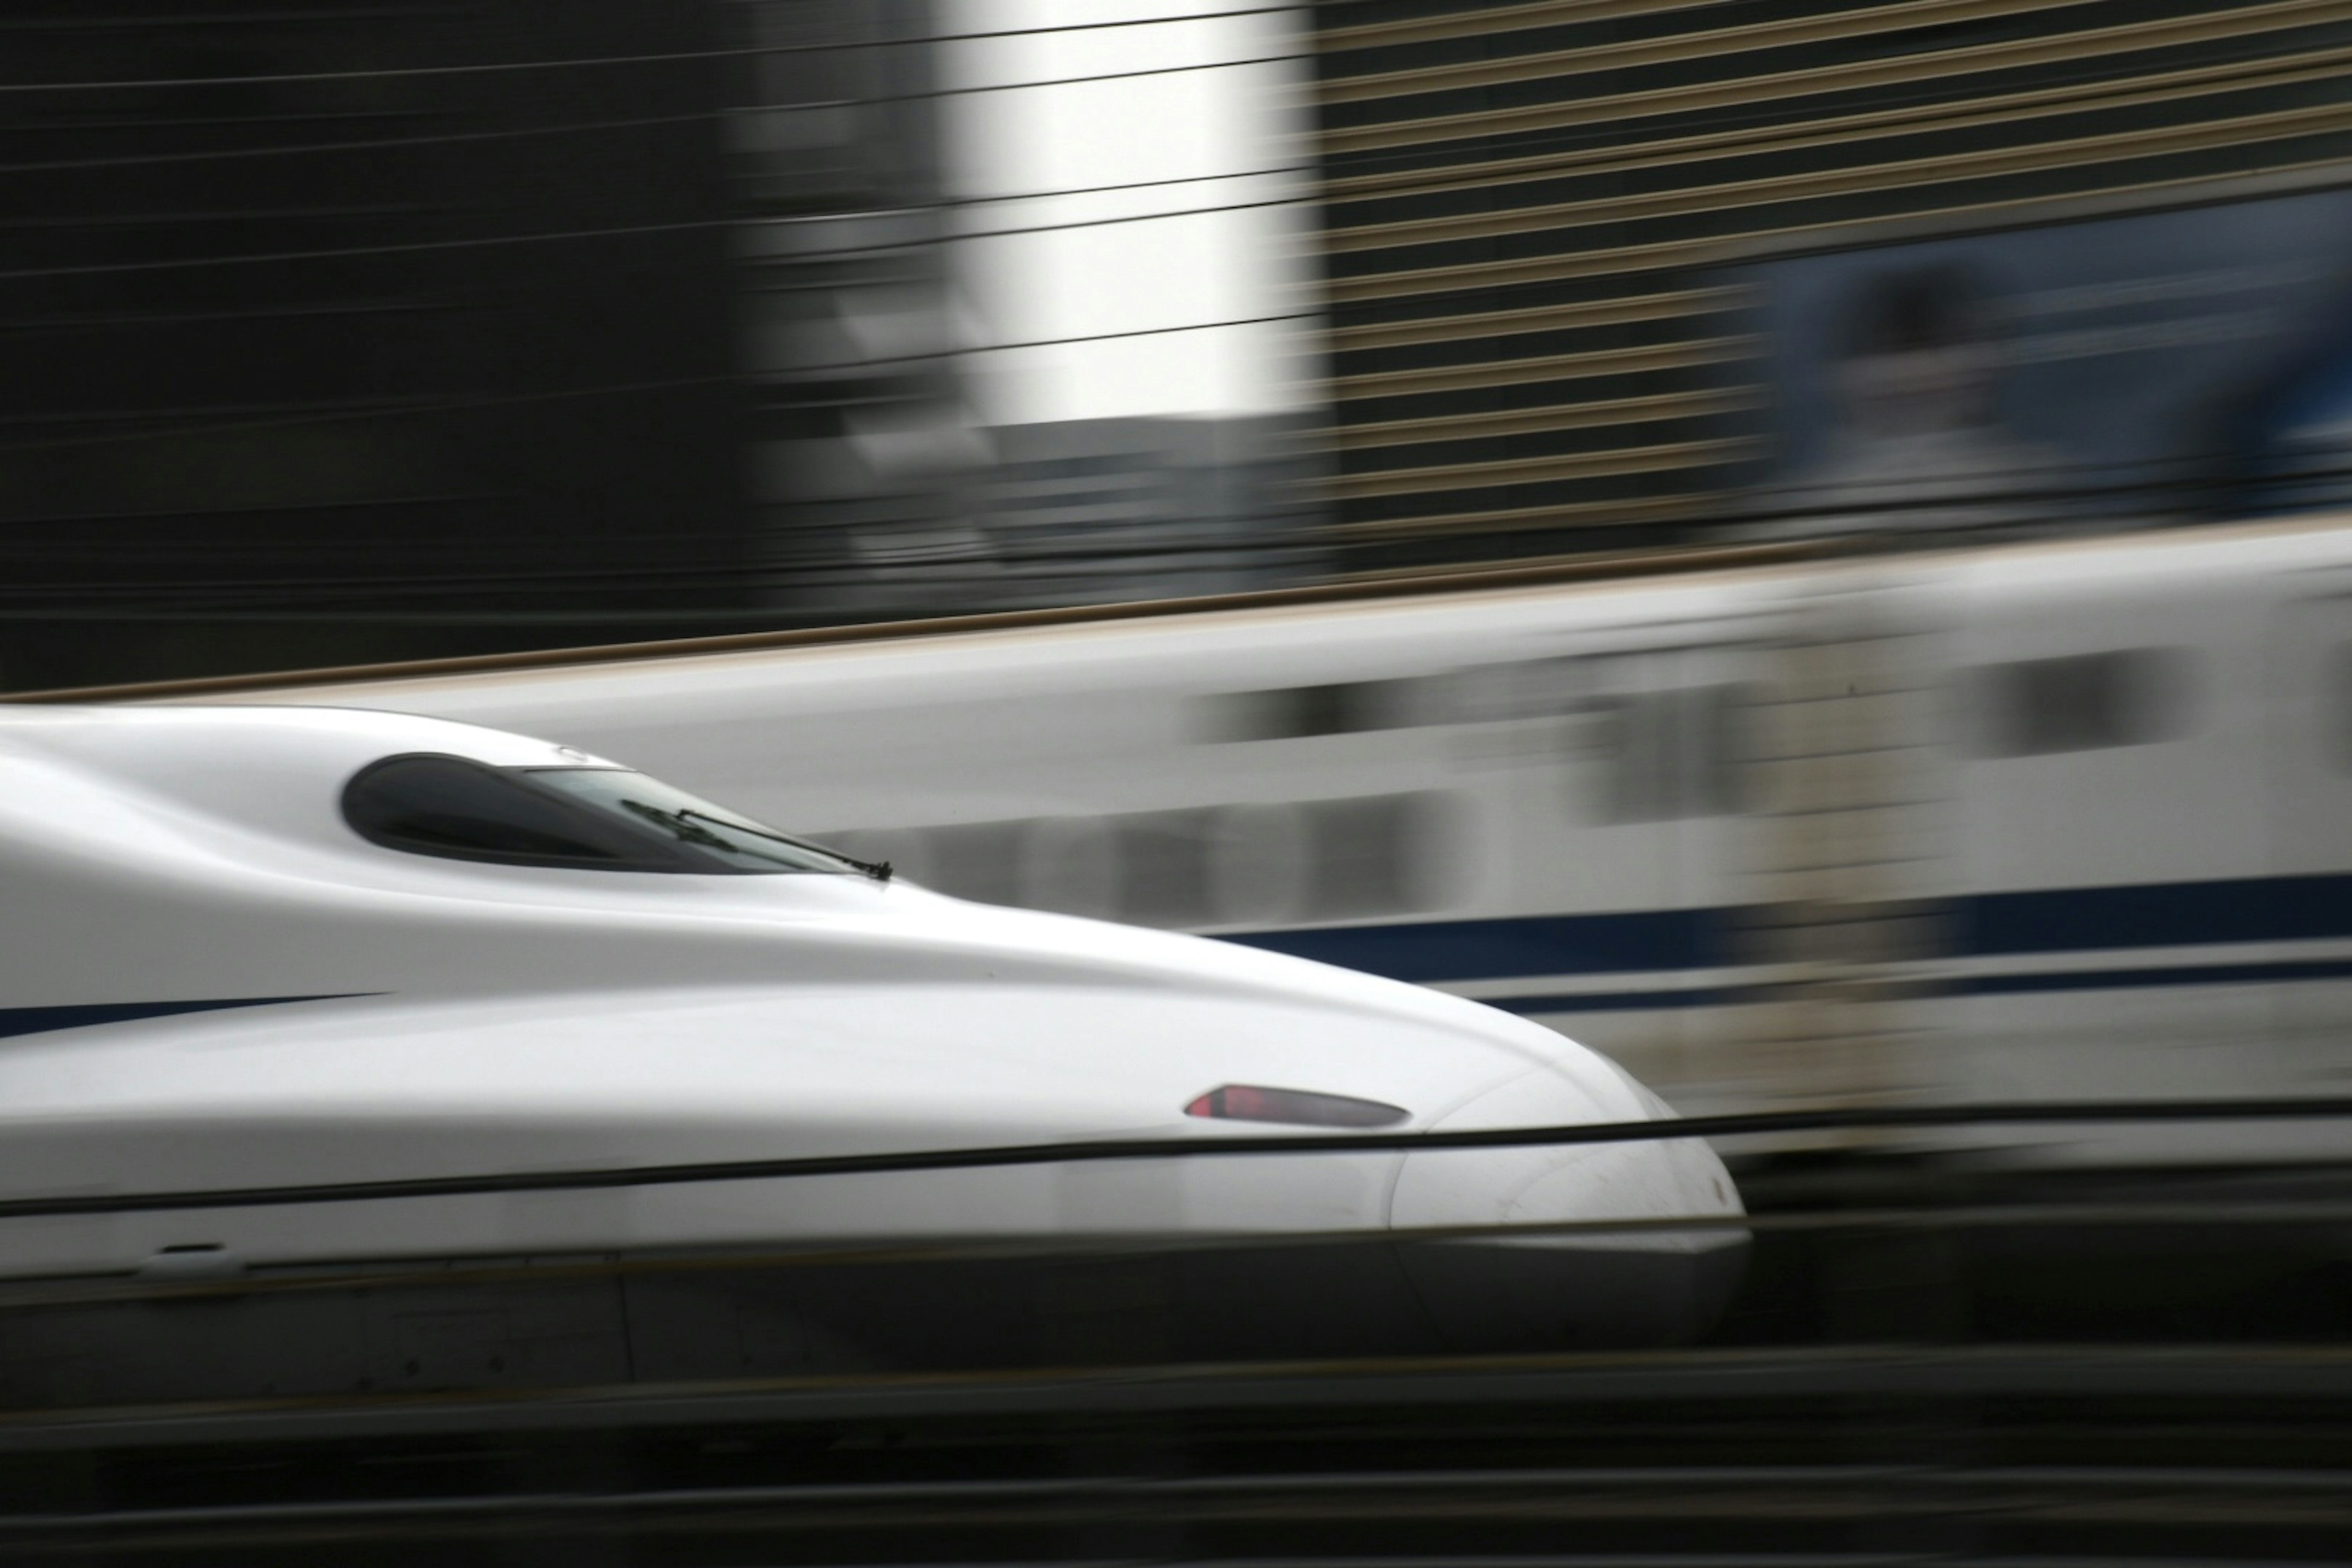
(467, 1018)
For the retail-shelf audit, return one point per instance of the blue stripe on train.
(1988, 925)
(1621, 1000)
(2153, 978)
(41, 1020)
(1640, 941)
(1653, 942)
(2165, 914)
(1960, 986)
(2166, 975)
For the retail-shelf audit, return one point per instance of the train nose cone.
(1564, 1290)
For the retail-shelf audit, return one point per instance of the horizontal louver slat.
(1705, 198)
(1546, 367)
(1683, 252)
(1572, 416)
(2280, 16)
(1461, 23)
(2303, 64)
(1529, 350)
(1511, 519)
(1606, 312)
(1686, 45)
(1525, 470)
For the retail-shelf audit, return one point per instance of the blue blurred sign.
(2179, 362)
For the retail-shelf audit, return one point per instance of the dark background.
(424, 446)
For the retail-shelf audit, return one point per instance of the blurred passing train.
(2053, 819)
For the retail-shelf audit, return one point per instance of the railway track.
(2014, 1454)
(1921, 1367)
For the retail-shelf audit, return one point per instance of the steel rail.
(1551, 1480)
(2302, 1377)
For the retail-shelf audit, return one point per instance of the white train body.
(269, 947)
(2054, 820)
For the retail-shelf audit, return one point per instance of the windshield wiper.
(877, 869)
(687, 832)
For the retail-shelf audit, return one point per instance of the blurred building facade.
(344, 329)
(861, 442)
(360, 328)
(1536, 348)
(1078, 511)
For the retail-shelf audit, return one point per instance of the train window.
(1296, 712)
(1668, 754)
(1373, 856)
(1164, 868)
(1070, 865)
(594, 820)
(978, 860)
(464, 811)
(2080, 702)
(1514, 691)
(2338, 698)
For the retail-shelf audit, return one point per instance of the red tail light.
(1251, 1102)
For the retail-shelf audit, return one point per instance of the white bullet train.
(2061, 819)
(279, 946)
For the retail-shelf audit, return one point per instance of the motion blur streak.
(1803, 543)
(2050, 820)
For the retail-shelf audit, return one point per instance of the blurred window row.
(1660, 755)
(1354, 859)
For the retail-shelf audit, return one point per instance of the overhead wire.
(688, 225)
(621, 231)
(1131, 564)
(1451, 178)
(919, 96)
(583, 127)
(747, 378)
(1369, 158)
(731, 221)
(309, 597)
(590, 62)
(1722, 525)
(312, 595)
